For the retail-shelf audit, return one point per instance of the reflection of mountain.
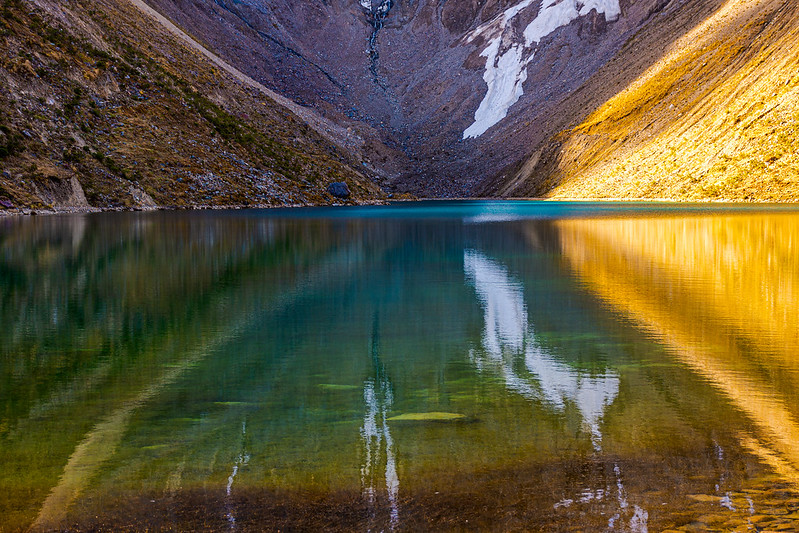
(123, 313)
(723, 294)
(508, 336)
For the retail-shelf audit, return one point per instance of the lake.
(417, 366)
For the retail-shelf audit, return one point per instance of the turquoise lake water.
(417, 366)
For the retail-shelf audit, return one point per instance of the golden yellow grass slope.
(715, 117)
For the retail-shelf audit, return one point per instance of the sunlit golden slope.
(722, 294)
(716, 117)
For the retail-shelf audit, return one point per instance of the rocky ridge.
(102, 108)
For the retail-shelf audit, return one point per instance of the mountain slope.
(101, 107)
(462, 88)
(561, 98)
(716, 118)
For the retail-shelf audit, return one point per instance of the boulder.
(339, 189)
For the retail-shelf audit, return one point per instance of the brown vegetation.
(102, 108)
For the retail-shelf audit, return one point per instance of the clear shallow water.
(458, 365)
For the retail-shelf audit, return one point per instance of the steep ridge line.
(716, 118)
(336, 134)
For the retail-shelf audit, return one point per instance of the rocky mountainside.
(714, 116)
(462, 88)
(101, 106)
(512, 97)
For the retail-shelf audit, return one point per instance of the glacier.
(506, 67)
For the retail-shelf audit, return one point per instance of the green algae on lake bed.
(516, 365)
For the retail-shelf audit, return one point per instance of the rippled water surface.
(439, 366)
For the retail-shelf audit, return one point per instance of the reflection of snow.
(503, 300)
(508, 334)
(640, 517)
(726, 500)
(375, 434)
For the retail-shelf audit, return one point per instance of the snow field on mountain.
(506, 69)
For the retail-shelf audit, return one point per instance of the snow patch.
(506, 67)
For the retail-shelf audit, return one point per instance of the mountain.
(568, 98)
(500, 98)
(421, 71)
(103, 106)
(715, 115)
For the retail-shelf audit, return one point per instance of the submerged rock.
(337, 387)
(339, 189)
(428, 417)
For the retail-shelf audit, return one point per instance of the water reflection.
(722, 293)
(100, 321)
(221, 371)
(638, 522)
(509, 336)
(379, 455)
(242, 460)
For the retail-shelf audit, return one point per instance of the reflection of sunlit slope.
(723, 293)
(508, 336)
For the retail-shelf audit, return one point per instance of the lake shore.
(236, 207)
(84, 210)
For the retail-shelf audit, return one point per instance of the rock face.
(464, 88)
